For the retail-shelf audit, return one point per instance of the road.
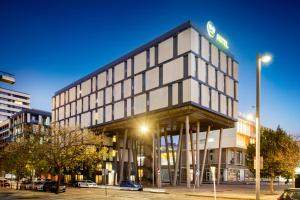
(85, 193)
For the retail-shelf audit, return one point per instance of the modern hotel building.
(180, 82)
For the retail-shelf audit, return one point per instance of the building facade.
(12, 102)
(176, 80)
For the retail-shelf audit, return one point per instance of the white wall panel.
(94, 83)
(229, 86)
(85, 119)
(117, 92)
(229, 105)
(72, 122)
(102, 80)
(79, 106)
(140, 62)
(100, 115)
(152, 78)
(128, 107)
(235, 109)
(195, 41)
(61, 112)
(78, 91)
(109, 76)
(186, 90)
(129, 72)
(62, 98)
(127, 88)
(57, 101)
(165, 50)
(139, 104)
(67, 111)
(119, 72)
(236, 90)
(188, 40)
(173, 70)
(192, 65)
(108, 95)
(72, 94)
(214, 100)
(100, 98)
(223, 104)
(195, 91)
(119, 110)
(53, 103)
(175, 94)
(158, 98)
(152, 56)
(223, 62)
(86, 88)
(202, 70)
(214, 55)
(138, 83)
(73, 108)
(205, 96)
(108, 113)
(211, 76)
(220, 81)
(93, 101)
(229, 64)
(85, 104)
(95, 116)
(205, 48)
(67, 96)
(235, 70)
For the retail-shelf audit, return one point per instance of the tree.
(68, 148)
(280, 154)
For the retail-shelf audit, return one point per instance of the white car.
(87, 184)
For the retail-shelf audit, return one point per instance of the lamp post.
(259, 60)
(144, 129)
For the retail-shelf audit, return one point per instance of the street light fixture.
(266, 58)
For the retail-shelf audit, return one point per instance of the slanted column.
(187, 140)
(220, 154)
(129, 158)
(197, 154)
(193, 155)
(178, 156)
(153, 159)
(158, 171)
(204, 156)
(168, 157)
(123, 156)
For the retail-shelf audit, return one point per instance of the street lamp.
(144, 129)
(266, 58)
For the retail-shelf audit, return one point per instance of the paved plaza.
(205, 193)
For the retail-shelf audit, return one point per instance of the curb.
(224, 197)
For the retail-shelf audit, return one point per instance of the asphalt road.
(91, 194)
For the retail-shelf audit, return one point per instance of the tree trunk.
(18, 179)
(58, 180)
(272, 185)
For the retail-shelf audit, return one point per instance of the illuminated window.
(18, 103)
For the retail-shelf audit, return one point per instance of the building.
(15, 127)
(233, 158)
(181, 81)
(12, 102)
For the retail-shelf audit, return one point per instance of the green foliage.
(280, 153)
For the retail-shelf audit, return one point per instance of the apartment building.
(12, 102)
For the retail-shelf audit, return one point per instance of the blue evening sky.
(49, 44)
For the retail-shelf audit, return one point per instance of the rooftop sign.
(212, 33)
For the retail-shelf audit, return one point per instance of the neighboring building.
(15, 126)
(12, 102)
(181, 77)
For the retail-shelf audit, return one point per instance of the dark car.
(51, 186)
(129, 185)
(73, 183)
(290, 194)
(4, 183)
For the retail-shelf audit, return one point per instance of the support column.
(123, 156)
(204, 156)
(134, 154)
(153, 159)
(177, 156)
(220, 155)
(168, 157)
(158, 171)
(193, 155)
(129, 159)
(173, 154)
(187, 140)
(197, 153)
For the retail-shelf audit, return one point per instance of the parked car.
(290, 194)
(51, 186)
(73, 183)
(25, 185)
(4, 183)
(87, 183)
(129, 185)
(38, 185)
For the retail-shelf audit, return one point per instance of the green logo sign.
(211, 31)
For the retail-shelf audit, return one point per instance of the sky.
(49, 44)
